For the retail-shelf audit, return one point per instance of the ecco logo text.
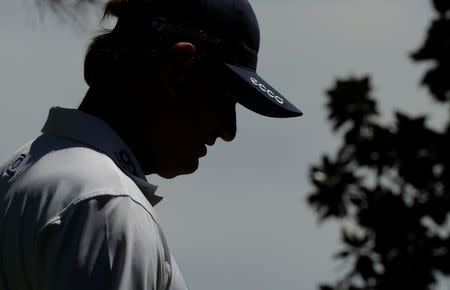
(269, 92)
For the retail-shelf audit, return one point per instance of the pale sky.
(241, 221)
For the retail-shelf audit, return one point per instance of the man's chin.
(170, 173)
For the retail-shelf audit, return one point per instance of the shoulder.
(69, 167)
(59, 173)
(74, 164)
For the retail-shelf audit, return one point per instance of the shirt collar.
(93, 131)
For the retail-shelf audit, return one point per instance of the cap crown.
(232, 21)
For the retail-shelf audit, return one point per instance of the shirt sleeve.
(103, 243)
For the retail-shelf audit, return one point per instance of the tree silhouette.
(389, 185)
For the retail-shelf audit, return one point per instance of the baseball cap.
(230, 29)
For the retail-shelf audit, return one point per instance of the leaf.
(354, 240)
(342, 254)
(326, 287)
(349, 101)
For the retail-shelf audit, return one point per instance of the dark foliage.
(436, 48)
(390, 184)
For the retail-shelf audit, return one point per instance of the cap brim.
(258, 96)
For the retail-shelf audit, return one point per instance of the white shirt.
(76, 212)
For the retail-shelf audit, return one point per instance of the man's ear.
(180, 60)
(181, 52)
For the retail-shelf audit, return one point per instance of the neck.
(106, 104)
(95, 102)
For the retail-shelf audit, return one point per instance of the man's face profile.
(193, 113)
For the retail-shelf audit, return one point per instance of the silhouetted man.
(76, 209)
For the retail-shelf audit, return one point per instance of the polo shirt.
(76, 212)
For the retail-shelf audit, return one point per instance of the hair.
(116, 8)
(117, 54)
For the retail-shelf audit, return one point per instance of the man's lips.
(211, 141)
(203, 151)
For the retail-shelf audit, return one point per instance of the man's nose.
(228, 124)
(228, 135)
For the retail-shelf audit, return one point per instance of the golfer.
(76, 211)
